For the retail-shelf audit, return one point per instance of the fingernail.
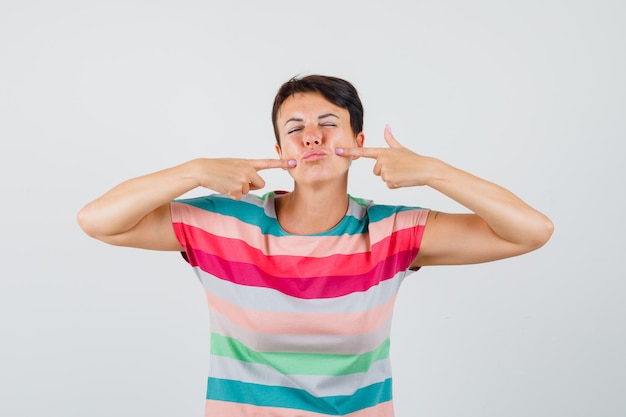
(292, 163)
(388, 128)
(339, 151)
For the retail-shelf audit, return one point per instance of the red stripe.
(238, 251)
(329, 286)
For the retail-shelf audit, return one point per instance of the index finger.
(260, 164)
(359, 151)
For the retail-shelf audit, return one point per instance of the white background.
(529, 94)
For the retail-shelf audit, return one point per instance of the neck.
(310, 210)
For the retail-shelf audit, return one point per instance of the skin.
(317, 147)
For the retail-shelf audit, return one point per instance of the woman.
(301, 284)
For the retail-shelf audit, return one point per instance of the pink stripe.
(309, 343)
(402, 220)
(231, 227)
(270, 322)
(384, 409)
(222, 408)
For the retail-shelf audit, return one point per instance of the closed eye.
(294, 130)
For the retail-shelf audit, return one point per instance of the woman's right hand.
(236, 177)
(136, 213)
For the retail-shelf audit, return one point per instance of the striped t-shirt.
(299, 324)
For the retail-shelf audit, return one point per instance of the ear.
(278, 151)
(360, 140)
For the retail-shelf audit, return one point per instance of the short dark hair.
(339, 92)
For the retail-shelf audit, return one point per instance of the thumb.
(390, 139)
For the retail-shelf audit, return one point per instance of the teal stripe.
(377, 213)
(273, 396)
(255, 215)
(244, 211)
(293, 363)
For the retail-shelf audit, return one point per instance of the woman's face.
(310, 128)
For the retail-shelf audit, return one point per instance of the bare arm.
(501, 226)
(136, 213)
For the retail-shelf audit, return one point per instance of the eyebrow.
(322, 116)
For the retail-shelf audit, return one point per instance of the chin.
(313, 177)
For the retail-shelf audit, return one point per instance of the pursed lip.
(313, 154)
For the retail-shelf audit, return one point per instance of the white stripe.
(316, 385)
(353, 344)
(260, 298)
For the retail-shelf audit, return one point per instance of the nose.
(312, 137)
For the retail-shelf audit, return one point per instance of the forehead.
(309, 105)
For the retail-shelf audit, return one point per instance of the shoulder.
(382, 212)
(250, 208)
(214, 202)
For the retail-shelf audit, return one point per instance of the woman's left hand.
(396, 165)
